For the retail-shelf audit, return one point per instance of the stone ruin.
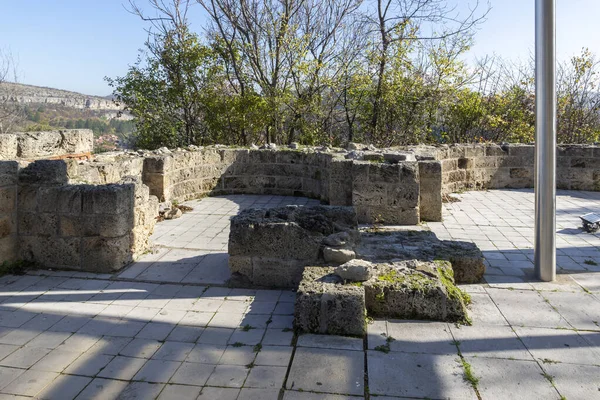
(62, 207)
(343, 274)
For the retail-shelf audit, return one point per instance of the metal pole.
(545, 140)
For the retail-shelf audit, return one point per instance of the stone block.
(370, 194)
(8, 198)
(384, 173)
(388, 215)
(108, 199)
(465, 257)
(276, 273)
(415, 290)
(101, 254)
(521, 150)
(430, 191)
(157, 164)
(51, 252)
(8, 226)
(59, 199)
(38, 224)
(8, 146)
(325, 305)
(8, 172)
(9, 248)
(494, 150)
(105, 225)
(44, 172)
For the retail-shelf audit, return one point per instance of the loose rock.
(354, 271)
(338, 256)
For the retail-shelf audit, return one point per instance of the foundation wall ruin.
(380, 192)
(39, 145)
(97, 228)
(490, 166)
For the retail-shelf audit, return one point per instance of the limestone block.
(521, 150)
(276, 273)
(52, 252)
(325, 305)
(367, 194)
(494, 150)
(576, 151)
(157, 164)
(63, 199)
(8, 146)
(405, 195)
(105, 225)
(38, 224)
(388, 215)
(107, 199)
(337, 256)
(465, 257)
(8, 226)
(430, 191)
(8, 197)
(44, 172)
(289, 183)
(9, 248)
(415, 290)
(101, 254)
(287, 240)
(8, 172)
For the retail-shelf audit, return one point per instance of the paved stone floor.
(67, 335)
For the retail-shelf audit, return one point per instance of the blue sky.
(74, 44)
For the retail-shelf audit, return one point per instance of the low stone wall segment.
(491, 166)
(9, 239)
(39, 145)
(97, 228)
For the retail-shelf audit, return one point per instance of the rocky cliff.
(29, 94)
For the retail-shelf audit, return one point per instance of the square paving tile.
(192, 374)
(266, 377)
(158, 371)
(171, 392)
(219, 393)
(123, 368)
(559, 345)
(420, 375)
(330, 342)
(421, 337)
(64, 387)
(519, 378)
(575, 381)
(495, 341)
(228, 376)
(327, 370)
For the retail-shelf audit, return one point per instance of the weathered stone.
(337, 256)
(339, 239)
(415, 290)
(33, 145)
(280, 242)
(354, 271)
(44, 172)
(173, 213)
(395, 157)
(465, 257)
(325, 305)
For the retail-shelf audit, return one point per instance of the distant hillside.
(29, 94)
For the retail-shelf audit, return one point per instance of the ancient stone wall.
(98, 228)
(38, 145)
(380, 192)
(493, 166)
(105, 168)
(8, 211)
(192, 174)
